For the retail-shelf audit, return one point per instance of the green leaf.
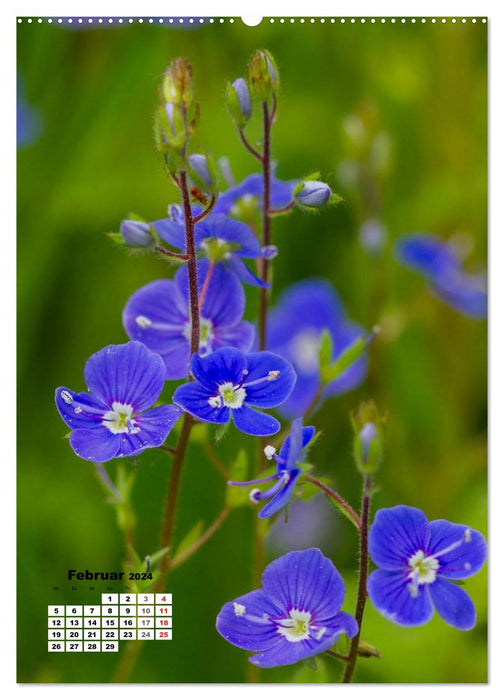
(154, 558)
(191, 537)
(221, 432)
(350, 355)
(237, 496)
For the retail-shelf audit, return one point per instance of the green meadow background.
(423, 88)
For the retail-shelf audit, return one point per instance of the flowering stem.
(349, 511)
(171, 254)
(266, 163)
(191, 264)
(363, 573)
(248, 146)
(181, 558)
(206, 211)
(282, 210)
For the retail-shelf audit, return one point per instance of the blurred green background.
(423, 88)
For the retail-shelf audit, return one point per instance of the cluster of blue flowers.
(297, 613)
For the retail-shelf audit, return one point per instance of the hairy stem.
(207, 210)
(266, 233)
(363, 573)
(334, 495)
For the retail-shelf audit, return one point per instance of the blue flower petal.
(224, 301)
(254, 422)
(250, 631)
(293, 456)
(453, 604)
(268, 394)
(157, 315)
(193, 398)
(172, 232)
(89, 413)
(389, 593)
(244, 274)
(305, 580)
(129, 374)
(281, 499)
(253, 186)
(301, 397)
(239, 336)
(98, 445)
(231, 231)
(462, 561)
(464, 292)
(397, 534)
(155, 426)
(287, 653)
(343, 622)
(426, 253)
(223, 365)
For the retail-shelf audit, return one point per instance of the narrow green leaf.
(350, 355)
(191, 537)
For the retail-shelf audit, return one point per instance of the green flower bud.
(177, 84)
(263, 74)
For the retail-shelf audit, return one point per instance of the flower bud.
(177, 82)
(312, 194)
(200, 172)
(263, 74)
(238, 102)
(136, 234)
(368, 448)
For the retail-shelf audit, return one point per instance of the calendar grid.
(118, 617)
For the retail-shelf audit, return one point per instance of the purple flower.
(442, 267)
(158, 316)
(295, 329)
(112, 420)
(416, 558)
(296, 614)
(292, 452)
(252, 189)
(219, 238)
(228, 383)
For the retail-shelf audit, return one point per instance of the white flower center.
(423, 568)
(232, 395)
(296, 627)
(119, 419)
(305, 350)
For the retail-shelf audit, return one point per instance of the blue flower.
(158, 316)
(229, 382)
(295, 328)
(296, 614)
(252, 189)
(219, 238)
(292, 452)
(416, 558)
(112, 420)
(439, 263)
(28, 119)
